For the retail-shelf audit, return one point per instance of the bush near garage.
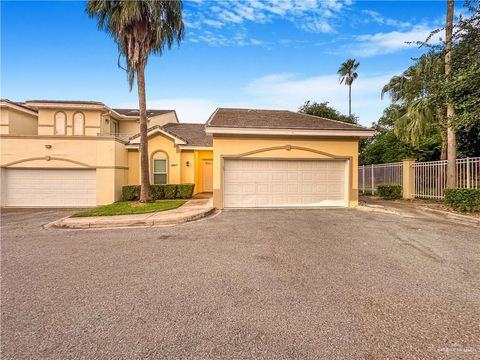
(463, 199)
(159, 192)
(390, 191)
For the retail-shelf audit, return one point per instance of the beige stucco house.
(77, 153)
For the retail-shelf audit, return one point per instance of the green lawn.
(131, 207)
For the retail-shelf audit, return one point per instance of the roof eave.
(290, 132)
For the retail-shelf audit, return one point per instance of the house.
(80, 153)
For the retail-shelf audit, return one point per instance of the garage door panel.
(50, 187)
(284, 183)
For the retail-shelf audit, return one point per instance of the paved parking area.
(309, 284)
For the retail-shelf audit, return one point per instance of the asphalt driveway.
(313, 284)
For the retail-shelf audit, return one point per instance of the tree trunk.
(144, 166)
(452, 143)
(350, 100)
(443, 154)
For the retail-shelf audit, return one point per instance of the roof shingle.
(275, 119)
(192, 134)
(135, 112)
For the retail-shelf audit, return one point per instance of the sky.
(245, 54)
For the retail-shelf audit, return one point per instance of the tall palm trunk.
(350, 100)
(443, 154)
(452, 143)
(144, 166)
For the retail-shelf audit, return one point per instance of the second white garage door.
(50, 187)
(284, 183)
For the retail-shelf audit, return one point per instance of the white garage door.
(55, 188)
(284, 183)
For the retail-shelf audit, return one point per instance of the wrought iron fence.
(431, 177)
(370, 176)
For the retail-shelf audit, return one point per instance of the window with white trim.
(78, 124)
(60, 123)
(160, 173)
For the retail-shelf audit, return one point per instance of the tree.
(452, 145)
(387, 147)
(324, 110)
(348, 75)
(140, 28)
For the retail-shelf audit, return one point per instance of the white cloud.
(389, 42)
(376, 17)
(315, 16)
(287, 91)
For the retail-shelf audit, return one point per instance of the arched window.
(60, 123)
(159, 168)
(78, 124)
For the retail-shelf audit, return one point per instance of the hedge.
(463, 199)
(159, 192)
(390, 191)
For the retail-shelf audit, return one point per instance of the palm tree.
(347, 75)
(452, 143)
(422, 111)
(140, 28)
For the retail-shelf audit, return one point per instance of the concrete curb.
(377, 208)
(459, 217)
(153, 219)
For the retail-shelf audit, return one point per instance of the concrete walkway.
(414, 209)
(193, 209)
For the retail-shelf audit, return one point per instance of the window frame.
(159, 173)
(64, 123)
(83, 123)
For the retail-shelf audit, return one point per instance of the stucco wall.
(21, 123)
(46, 121)
(276, 148)
(187, 172)
(4, 114)
(106, 155)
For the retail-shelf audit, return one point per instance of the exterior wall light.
(188, 163)
(48, 146)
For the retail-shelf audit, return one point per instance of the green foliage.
(139, 28)
(127, 208)
(185, 191)
(463, 199)
(422, 91)
(347, 72)
(324, 110)
(390, 191)
(170, 191)
(386, 147)
(130, 192)
(159, 192)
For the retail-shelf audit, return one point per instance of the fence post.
(373, 182)
(468, 173)
(363, 179)
(408, 178)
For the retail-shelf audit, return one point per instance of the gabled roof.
(79, 102)
(184, 134)
(275, 119)
(136, 112)
(18, 106)
(193, 134)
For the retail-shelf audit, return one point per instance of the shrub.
(131, 192)
(185, 191)
(463, 199)
(390, 191)
(170, 191)
(157, 192)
